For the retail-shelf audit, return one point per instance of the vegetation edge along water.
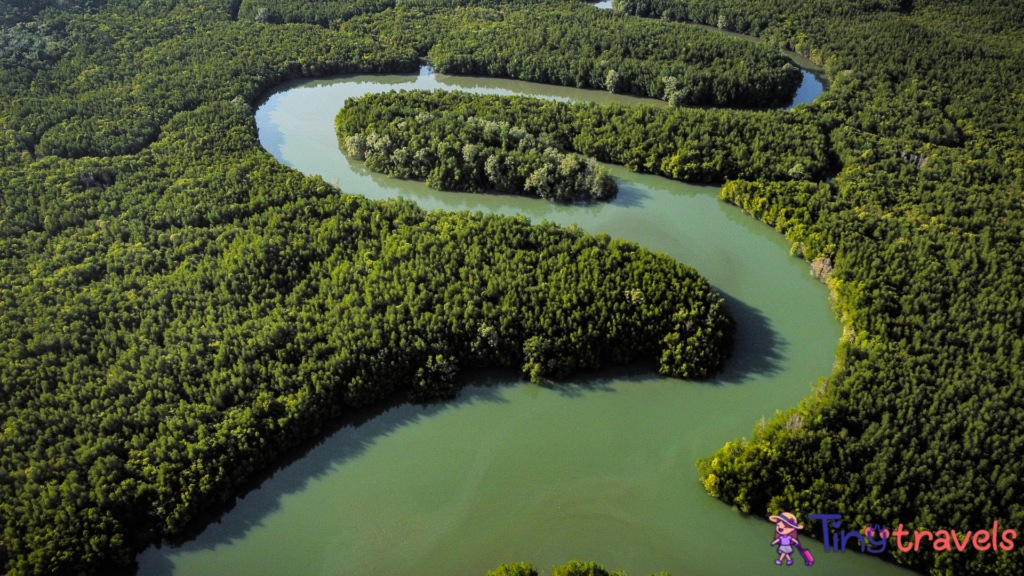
(918, 235)
(458, 141)
(905, 431)
(179, 308)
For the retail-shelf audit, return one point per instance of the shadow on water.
(604, 379)
(810, 88)
(815, 80)
(271, 137)
(630, 196)
(760, 349)
(342, 440)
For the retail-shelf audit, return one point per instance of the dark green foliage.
(570, 43)
(177, 308)
(571, 568)
(754, 17)
(574, 45)
(681, 143)
(922, 421)
(16, 11)
(322, 12)
(399, 136)
(129, 75)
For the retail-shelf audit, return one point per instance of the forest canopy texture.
(178, 307)
(571, 568)
(459, 151)
(682, 143)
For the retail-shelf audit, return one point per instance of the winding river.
(601, 468)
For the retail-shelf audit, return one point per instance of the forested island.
(462, 152)
(179, 308)
(450, 138)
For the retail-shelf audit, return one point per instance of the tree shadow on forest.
(758, 352)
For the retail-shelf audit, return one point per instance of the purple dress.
(786, 544)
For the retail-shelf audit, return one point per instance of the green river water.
(600, 468)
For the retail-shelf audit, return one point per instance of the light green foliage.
(177, 308)
(571, 568)
(577, 568)
(572, 44)
(398, 135)
(921, 422)
(509, 138)
(519, 569)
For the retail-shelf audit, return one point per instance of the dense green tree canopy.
(921, 423)
(16, 11)
(682, 143)
(575, 45)
(570, 43)
(178, 308)
(571, 568)
(397, 134)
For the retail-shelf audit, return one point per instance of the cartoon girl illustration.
(786, 537)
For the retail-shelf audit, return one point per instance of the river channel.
(599, 468)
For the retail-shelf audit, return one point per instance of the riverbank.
(601, 467)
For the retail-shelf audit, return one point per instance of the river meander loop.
(600, 468)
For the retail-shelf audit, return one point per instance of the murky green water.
(599, 469)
